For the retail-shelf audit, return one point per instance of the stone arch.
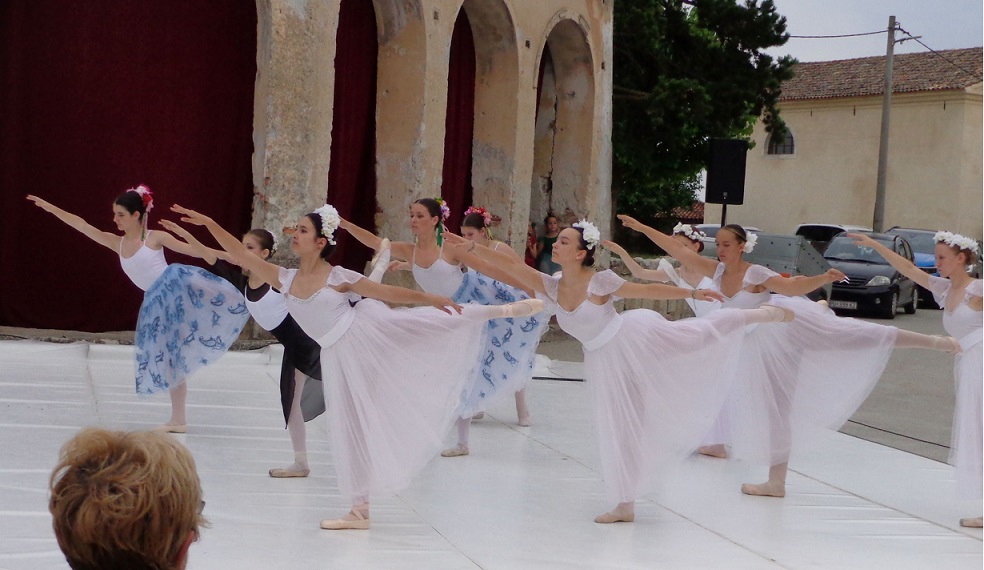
(563, 138)
(494, 142)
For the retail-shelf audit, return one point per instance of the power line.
(948, 60)
(838, 36)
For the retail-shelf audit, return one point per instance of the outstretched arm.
(398, 249)
(904, 266)
(109, 240)
(630, 290)
(506, 268)
(637, 270)
(400, 295)
(802, 285)
(198, 248)
(265, 270)
(692, 259)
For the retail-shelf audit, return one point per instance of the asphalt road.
(911, 407)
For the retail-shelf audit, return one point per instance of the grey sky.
(943, 24)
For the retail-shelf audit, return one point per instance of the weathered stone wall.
(295, 86)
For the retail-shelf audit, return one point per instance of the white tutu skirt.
(797, 377)
(966, 443)
(189, 318)
(393, 382)
(506, 360)
(657, 387)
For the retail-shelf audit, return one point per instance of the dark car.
(924, 256)
(872, 284)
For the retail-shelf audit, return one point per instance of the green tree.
(687, 71)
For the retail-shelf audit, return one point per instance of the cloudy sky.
(943, 24)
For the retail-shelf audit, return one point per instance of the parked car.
(819, 235)
(924, 256)
(711, 230)
(872, 284)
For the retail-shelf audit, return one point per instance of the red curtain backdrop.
(352, 172)
(98, 97)
(459, 124)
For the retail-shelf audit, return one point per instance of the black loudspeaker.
(726, 172)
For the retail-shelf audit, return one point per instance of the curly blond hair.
(124, 500)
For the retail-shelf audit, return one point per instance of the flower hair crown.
(482, 212)
(146, 196)
(590, 233)
(445, 211)
(691, 233)
(957, 240)
(750, 241)
(330, 221)
(274, 238)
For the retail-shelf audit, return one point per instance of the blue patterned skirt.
(189, 318)
(510, 345)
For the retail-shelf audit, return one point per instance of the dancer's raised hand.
(630, 222)
(177, 230)
(835, 275)
(457, 241)
(615, 248)
(862, 239)
(191, 216)
(41, 203)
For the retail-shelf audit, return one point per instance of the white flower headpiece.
(330, 221)
(689, 231)
(590, 232)
(273, 236)
(750, 242)
(957, 240)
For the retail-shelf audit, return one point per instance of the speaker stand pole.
(724, 214)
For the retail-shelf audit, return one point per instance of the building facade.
(826, 169)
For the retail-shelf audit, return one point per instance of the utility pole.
(878, 223)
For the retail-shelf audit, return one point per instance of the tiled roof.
(866, 76)
(695, 212)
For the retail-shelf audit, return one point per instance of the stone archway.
(494, 144)
(563, 137)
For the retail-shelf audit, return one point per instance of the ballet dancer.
(653, 380)
(506, 361)
(301, 391)
(391, 400)
(188, 318)
(814, 372)
(959, 295)
(690, 237)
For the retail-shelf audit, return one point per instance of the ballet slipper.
(169, 428)
(523, 308)
(478, 416)
(354, 520)
(947, 344)
(779, 314)
(525, 421)
(717, 450)
(384, 245)
(972, 522)
(456, 451)
(615, 516)
(292, 471)
(767, 489)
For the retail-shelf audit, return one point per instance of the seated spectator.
(125, 500)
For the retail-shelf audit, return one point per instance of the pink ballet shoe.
(779, 314)
(478, 416)
(764, 490)
(168, 428)
(525, 421)
(456, 451)
(977, 522)
(355, 520)
(716, 450)
(614, 517)
(523, 308)
(289, 473)
(947, 344)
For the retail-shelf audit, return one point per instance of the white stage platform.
(525, 497)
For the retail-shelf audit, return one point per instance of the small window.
(781, 145)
